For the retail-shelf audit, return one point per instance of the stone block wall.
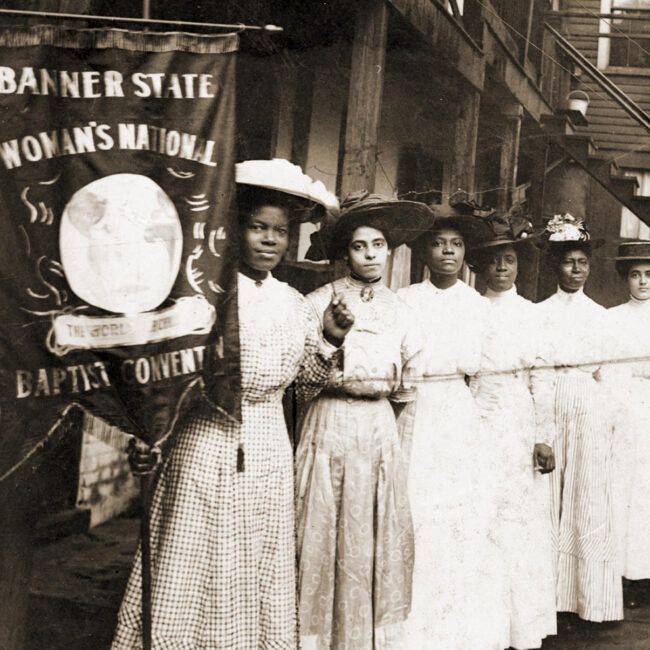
(106, 484)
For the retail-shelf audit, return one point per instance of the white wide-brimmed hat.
(280, 175)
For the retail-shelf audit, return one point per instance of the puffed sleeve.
(319, 357)
(542, 385)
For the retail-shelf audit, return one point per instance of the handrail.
(621, 14)
(623, 100)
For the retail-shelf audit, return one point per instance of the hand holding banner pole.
(144, 461)
(145, 500)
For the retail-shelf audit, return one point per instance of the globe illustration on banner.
(121, 243)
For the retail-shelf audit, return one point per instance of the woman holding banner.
(222, 518)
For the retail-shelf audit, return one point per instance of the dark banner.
(116, 268)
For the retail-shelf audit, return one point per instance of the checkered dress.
(223, 549)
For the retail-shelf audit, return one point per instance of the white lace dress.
(459, 599)
(573, 408)
(223, 541)
(629, 380)
(502, 393)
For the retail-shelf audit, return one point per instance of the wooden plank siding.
(611, 128)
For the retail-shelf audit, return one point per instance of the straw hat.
(399, 221)
(633, 250)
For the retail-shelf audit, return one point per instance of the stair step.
(641, 205)
(557, 125)
(582, 143)
(632, 180)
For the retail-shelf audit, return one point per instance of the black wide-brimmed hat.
(564, 231)
(399, 221)
(633, 251)
(281, 181)
(461, 214)
(509, 229)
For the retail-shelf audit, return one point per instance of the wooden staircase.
(562, 136)
(581, 149)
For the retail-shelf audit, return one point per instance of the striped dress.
(223, 541)
(572, 407)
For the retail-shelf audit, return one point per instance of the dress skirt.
(222, 541)
(459, 589)
(632, 459)
(507, 414)
(582, 513)
(355, 536)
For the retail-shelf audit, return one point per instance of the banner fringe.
(123, 39)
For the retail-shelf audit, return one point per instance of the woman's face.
(266, 237)
(638, 280)
(573, 269)
(501, 268)
(367, 253)
(445, 252)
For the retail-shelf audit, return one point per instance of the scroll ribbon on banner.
(117, 264)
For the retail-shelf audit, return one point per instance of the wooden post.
(365, 94)
(529, 31)
(511, 131)
(464, 133)
(283, 126)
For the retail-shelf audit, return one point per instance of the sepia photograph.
(325, 325)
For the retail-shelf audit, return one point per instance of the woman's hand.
(544, 458)
(337, 321)
(143, 459)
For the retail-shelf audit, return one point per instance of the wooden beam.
(283, 123)
(456, 11)
(529, 31)
(504, 65)
(301, 119)
(445, 36)
(510, 132)
(365, 96)
(465, 133)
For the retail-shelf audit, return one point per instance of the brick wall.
(106, 484)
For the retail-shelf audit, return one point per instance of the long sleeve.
(542, 387)
(410, 352)
(319, 358)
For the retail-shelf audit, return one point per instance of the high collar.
(356, 281)
(569, 297)
(243, 278)
(501, 295)
(639, 304)
(452, 289)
